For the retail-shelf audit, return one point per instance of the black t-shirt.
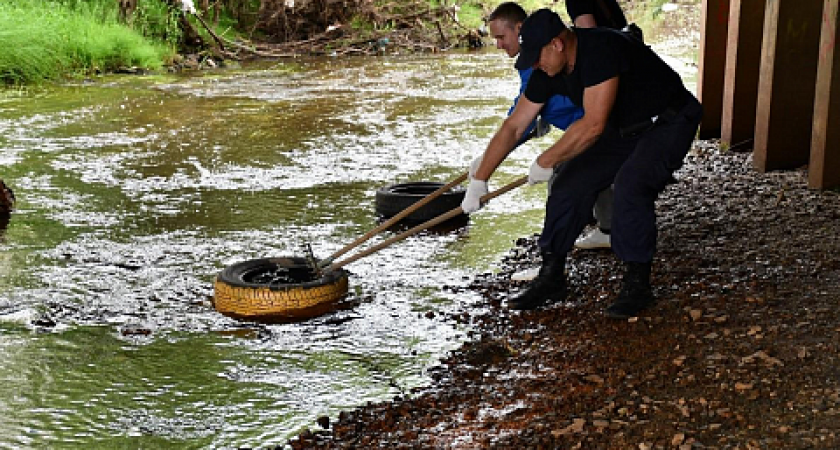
(607, 13)
(647, 85)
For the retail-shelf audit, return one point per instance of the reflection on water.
(133, 192)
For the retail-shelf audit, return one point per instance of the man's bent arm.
(598, 101)
(505, 139)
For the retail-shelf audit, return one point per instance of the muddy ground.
(742, 350)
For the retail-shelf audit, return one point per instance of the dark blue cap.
(537, 30)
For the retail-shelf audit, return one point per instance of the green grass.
(472, 15)
(155, 20)
(42, 40)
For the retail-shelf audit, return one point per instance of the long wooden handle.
(424, 225)
(402, 214)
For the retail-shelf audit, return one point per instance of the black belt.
(671, 111)
(676, 105)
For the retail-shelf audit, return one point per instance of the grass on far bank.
(44, 41)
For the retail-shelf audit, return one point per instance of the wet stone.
(324, 422)
(44, 321)
(135, 330)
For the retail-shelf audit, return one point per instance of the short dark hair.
(509, 11)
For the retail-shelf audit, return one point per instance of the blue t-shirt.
(559, 110)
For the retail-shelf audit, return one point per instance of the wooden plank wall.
(786, 87)
(769, 75)
(714, 24)
(743, 61)
(824, 169)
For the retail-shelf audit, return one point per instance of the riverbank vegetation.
(45, 40)
(50, 39)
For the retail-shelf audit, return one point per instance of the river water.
(134, 191)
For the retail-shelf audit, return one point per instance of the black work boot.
(548, 286)
(635, 294)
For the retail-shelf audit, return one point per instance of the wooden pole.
(824, 168)
(743, 60)
(430, 223)
(714, 29)
(393, 220)
(786, 86)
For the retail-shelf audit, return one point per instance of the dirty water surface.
(134, 192)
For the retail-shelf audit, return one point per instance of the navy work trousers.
(639, 168)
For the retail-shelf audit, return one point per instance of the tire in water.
(277, 289)
(394, 198)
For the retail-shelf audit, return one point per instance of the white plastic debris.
(669, 7)
(188, 6)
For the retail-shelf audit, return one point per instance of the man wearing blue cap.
(639, 122)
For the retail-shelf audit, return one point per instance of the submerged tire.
(393, 199)
(7, 198)
(269, 289)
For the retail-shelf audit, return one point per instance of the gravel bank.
(742, 350)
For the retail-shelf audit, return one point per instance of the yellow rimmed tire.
(277, 289)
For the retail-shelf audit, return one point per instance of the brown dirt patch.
(741, 351)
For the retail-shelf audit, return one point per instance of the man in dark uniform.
(590, 14)
(596, 13)
(639, 122)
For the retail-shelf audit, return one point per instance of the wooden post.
(785, 106)
(743, 59)
(714, 25)
(824, 169)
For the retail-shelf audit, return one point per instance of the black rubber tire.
(7, 198)
(394, 198)
(241, 290)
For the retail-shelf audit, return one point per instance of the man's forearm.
(497, 150)
(529, 134)
(578, 137)
(597, 105)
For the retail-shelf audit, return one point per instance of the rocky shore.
(742, 350)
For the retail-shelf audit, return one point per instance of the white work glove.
(474, 165)
(539, 174)
(472, 199)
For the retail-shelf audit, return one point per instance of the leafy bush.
(44, 40)
(154, 19)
